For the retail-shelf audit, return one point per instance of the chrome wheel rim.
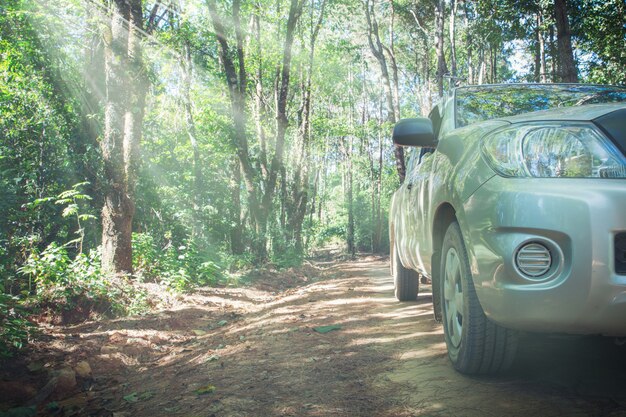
(453, 297)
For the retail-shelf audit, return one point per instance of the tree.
(126, 91)
(379, 50)
(598, 27)
(260, 186)
(442, 68)
(567, 66)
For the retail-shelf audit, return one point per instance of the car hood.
(587, 112)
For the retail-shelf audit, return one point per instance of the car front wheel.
(475, 344)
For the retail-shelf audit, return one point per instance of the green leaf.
(66, 195)
(70, 210)
(20, 412)
(52, 406)
(146, 395)
(207, 389)
(326, 329)
(131, 398)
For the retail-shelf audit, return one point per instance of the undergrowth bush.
(15, 329)
(287, 258)
(180, 267)
(69, 284)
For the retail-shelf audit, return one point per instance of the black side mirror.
(414, 132)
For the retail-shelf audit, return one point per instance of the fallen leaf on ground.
(52, 406)
(326, 329)
(207, 389)
(199, 332)
(131, 398)
(20, 412)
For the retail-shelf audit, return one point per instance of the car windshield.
(475, 104)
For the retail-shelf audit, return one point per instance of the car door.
(418, 201)
(401, 211)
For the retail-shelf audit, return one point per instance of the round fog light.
(533, 260)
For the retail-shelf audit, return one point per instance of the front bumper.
(577, 219)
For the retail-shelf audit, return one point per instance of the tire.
(476, 345)
(436, 289)
(405, 281)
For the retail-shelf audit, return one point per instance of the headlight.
(554, 150)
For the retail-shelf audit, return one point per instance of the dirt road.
(254, 352)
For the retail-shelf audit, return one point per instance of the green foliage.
(180, 267)
(15, 329)
(599, 27)
(66, 284)
(287, 258)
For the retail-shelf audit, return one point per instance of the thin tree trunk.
(190, 125)
(542, 49)
(379, 190)
(553, 55)
(236, 230)
(348, 187)
(439, 44)
(453, 10)
(470, 49)
(481, 66)
(537, 54)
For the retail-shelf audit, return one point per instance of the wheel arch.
(444, 216)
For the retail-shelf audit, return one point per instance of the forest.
(179, 142)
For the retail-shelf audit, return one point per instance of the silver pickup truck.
(514, 205)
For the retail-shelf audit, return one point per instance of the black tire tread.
(406, 281)
(490, 348)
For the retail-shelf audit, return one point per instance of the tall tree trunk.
(439, 44)
(567, 66)
(190, 126)
(300, 192)
(348, 188)
(542, 48)
(553, 55)
(379, 190)
(470, 48)
(236, 230)
(481, 66)
(126, 88)
(453, 9)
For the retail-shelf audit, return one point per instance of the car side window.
(436, 118)
(412, 157)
